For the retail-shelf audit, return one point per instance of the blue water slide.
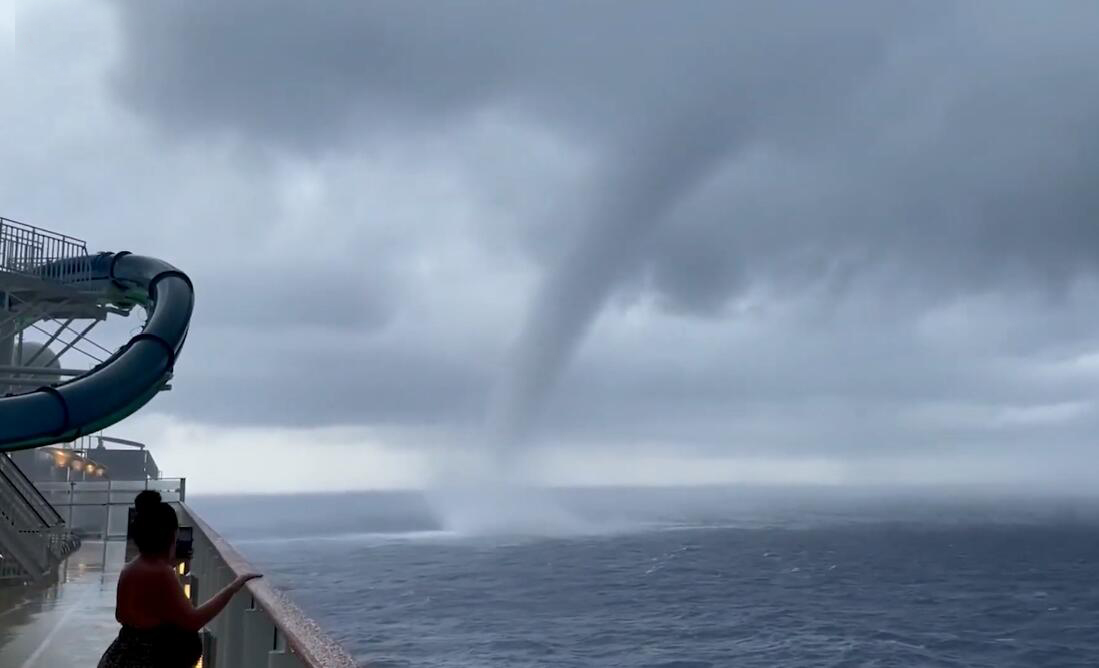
(128, 379)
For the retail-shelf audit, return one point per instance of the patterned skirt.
(160, 647)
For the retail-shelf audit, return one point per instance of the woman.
(159, 625)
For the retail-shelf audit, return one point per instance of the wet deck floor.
(67, 624)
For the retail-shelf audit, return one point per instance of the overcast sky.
(643, 242)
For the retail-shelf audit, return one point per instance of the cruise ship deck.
(68, 622)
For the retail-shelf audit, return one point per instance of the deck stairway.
(33, 537)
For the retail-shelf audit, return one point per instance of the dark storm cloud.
(959, 137)
(310, 79)
(970, 160)
(666, 94)
(881, 166)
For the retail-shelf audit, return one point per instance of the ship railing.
(11, 572)
(260, 628)
(100, 508)
(24, 249)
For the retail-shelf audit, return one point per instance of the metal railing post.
(259, 636)
(283, 659)
(72, 490)
(107, 512)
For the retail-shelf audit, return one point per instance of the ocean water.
(691, 578)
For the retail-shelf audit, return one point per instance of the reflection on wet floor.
(69, 622)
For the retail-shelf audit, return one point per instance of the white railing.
(260, 628)
(101, 508)
(24, 249)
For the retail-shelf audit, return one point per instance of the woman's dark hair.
(155, 524)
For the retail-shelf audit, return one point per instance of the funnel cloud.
(629, 206)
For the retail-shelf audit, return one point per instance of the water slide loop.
(129, 378)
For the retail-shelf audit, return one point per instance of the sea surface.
(690, 578)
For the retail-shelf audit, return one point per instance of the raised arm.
(180, 612)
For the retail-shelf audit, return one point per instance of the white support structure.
(48, 302)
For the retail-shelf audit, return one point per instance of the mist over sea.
(692, 577)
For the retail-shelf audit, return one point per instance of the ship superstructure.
(66, 488)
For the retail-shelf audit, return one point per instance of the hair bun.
(146, 501)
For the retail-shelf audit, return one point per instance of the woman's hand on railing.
(243, 579)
